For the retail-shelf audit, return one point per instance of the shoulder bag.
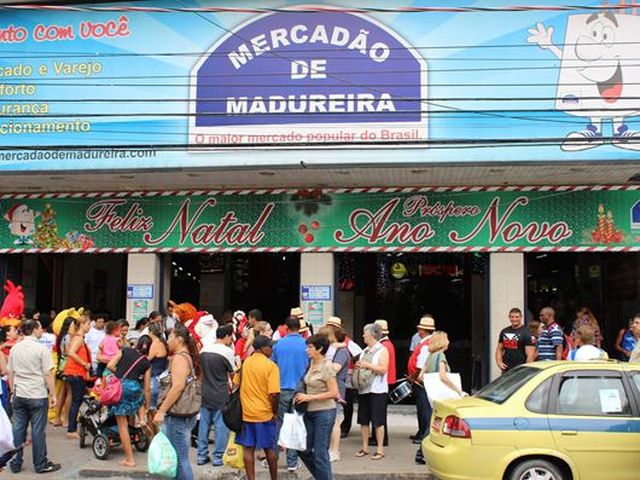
(232, 409)
(363, 377)
(111, 390)
(190, 400)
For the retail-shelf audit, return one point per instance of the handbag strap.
(132, 366)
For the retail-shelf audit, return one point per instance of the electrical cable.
(320, 9)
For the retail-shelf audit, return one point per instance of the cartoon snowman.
(22, 223)
(599, 78)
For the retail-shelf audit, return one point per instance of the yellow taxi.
(542, 421)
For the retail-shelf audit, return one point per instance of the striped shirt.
(550, 338)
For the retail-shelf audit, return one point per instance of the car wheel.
(536, 470)
(101, 447)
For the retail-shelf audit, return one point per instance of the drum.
(401, 392)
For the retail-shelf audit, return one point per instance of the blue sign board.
(133, 89)
(315, 293)
(140, 291)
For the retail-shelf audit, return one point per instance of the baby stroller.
(102, 426)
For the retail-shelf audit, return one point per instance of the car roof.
(586, 365)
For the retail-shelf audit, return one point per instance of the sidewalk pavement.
(398, 462)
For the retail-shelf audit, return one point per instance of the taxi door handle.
(569, 433)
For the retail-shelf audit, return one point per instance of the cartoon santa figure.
(599, 76)
(22, 223)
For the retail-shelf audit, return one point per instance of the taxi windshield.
(507, 384)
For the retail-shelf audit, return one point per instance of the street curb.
(99, 473)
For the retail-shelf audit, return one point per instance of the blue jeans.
(34, 411)
(155, 391)
(208, 417)
(424, 411)
(178, 430)
(283, 407)
(77, 386)
(316, 456)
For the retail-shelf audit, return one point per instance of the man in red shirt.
(426, 327)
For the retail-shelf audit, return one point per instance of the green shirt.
(432, 364)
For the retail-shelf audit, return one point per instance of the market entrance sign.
(457, 219)
(286, 78)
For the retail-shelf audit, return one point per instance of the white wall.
(143, 269)
(317, 269)
(506, 290)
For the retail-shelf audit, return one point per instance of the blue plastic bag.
(162, 458)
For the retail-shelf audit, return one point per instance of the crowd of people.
(177, 372)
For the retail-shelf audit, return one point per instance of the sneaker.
(585, 139)
(626, 138)
(264, 463)
(50, 467)
(294, 468)
(217, 463)
(203, 461)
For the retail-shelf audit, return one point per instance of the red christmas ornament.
(302, 229)
(315, 225)
(308, 238)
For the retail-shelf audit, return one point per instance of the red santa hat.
(11, 212)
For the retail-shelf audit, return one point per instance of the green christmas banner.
(438, 219)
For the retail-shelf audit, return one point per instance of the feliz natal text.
(315, 69)
(119, 215)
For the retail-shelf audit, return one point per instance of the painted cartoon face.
(598, 49)
(23, 221)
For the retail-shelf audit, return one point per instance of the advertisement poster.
(455, 219)
(168, 86)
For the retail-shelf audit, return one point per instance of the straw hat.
(334, 322)
(296, 312)
(384, 325)
(427, 323)
(304, 328)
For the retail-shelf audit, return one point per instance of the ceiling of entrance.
(304, 176)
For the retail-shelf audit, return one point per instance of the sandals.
(362, 453)
(377, 456)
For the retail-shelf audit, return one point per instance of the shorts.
(372, 408)
(257, 435)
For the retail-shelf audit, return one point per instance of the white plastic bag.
(6, 433)
(293, 434)
(436, 390)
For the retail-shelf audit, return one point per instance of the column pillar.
(317, 289)
(143, 284)
(506, 290)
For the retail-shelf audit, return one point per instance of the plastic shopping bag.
(6, 433)
(162, 458)
(234, 454)
(436, 390)
(293, 434)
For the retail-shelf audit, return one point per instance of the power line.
(225, 99)
(448, 111)
(20, 54)
(466, 143)
(319, 9)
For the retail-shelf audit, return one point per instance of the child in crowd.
(109, 347)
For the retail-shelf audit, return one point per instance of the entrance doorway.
(606, 283)
(219, 282)
(400, 288)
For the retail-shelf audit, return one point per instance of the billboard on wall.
(181, 87)
(413, 220)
